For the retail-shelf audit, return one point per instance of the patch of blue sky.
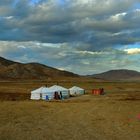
(137, 45)
(34, 2)
(128, 46)
(14, 3)
(61, 2)
(136, 5)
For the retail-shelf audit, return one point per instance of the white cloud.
(21, 46)
(132, 51)
(61, 69)
(118, 16)
(93, 52)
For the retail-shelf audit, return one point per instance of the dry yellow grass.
(88, 117)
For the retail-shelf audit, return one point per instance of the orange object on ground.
(98, 91)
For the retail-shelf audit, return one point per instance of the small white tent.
(64, 91)
(36, 94)
(47, 94)
(74, 91)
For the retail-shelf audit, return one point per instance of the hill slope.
(14, 70)
(122, 74)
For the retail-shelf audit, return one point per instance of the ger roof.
(57, 88)
(47, 90)
(38, 90)
(75, 88)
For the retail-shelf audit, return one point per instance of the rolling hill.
(15, 70)
(121, 74)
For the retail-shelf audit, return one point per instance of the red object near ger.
(97, 91)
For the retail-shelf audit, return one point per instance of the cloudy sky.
(82, 36)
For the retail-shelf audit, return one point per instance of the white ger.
(75, 91)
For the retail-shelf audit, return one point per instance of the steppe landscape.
(56, 56)
(113, 116)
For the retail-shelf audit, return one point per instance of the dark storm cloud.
(70, 21)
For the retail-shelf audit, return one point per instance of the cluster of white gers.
(55, 92)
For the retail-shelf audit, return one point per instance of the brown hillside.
(14, 70)
(122, 74)
(4, 62)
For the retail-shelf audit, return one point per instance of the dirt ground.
(113, 116)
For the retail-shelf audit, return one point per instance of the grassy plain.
(113, 116)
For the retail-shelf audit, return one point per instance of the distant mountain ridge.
(4, 62)
(15, 70)
(120, 74)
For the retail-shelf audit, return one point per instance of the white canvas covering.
(64, 91)
(47, 92)
(74, 91)
(36, 94)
